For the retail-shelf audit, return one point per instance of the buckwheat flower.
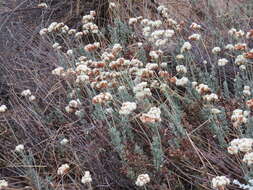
(220, 182)
(43, 31)
(79, 34)
(248, 158)
(240, 60)
(239, 34)
(64, 141)
(72, 31)
(229, 47)
(3, 108)
(222, 62)
(86, 178)
(74, 104)
(19, 148)
(116, 48)
(52, 26)
(127, 108)
(70, 52)
(69, 109)
(169, 33)
(246, 91)
(194, 84)
(82, 79)
(195, 26)
(233, 149)
(186, 47)
(232, 31)
(203, 89)
(181, 69)
(56, 45)
(164, 65)
(216, 50)
(102, 98)
(180, 56)
(132, 21)
(42, 5)
(63, 169)
(153, 55)
(58, 71)
(26, 93)
(210, 97)
(240, 46)
(32, 98)
(182, 82)
(249, 34)
(161, 42)
(112, 5)
(3, 184)
(215, 111)
(242, 67)
(194, 37)
(142, 180)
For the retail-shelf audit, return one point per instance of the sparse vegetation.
(159, 97)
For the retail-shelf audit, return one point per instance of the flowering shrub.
(150, 102)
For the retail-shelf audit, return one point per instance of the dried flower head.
(142, 180)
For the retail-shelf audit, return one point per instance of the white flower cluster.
(141, 90)
(165, 13)
(216, 50)
(64, 141)
(242, 144)
(239, 117)
(202, 89)
(127, 108)
(19, 148)
(195, 26)
(194, 37)
(240, 60)
(229, 47)
(42, 5)
(92, 47)
(63, 169)
(222, 62)
(3, 184)
(181, 69)
(3, 108)
(238, 34)
(186, 47)
(246, 91)
(182, 82)
(243, 186)
(102, 98)
(88, 25)
(220, 182)
(142, 180)
(210, 97)
(73, 106)
(152, 116)
(59, 71)
(28, 93)
(86, 178)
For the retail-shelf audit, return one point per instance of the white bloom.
(242, 67)
(63, 169)
(70, 52)
(229, 47)
(194, 84)
(42, 5)
(52, 26)
(58, 71)
(216, 50)
(169, 33)
(210, 97)
(194, 37)
(181, 69)
(112, 5)
(152, 116)
(248, 158)
(3, 184)
(26, 93)
(220, 182)
(180, 56)
(245, 145)
(3, 108)
(127, 108)
(56, 45)
(43, 31)
(233, 149)
(19, 148)
(154, 55)
(132, 21)
(246, 91)
(86, 178)
(182, 82)
(195, 26)
(186, 46)
(64, 141)
(240, 60)
(32, 98)
(222, 62)
(232, 31)
(142, 180)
